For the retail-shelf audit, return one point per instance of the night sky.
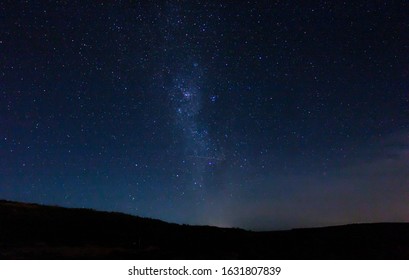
(253, 114)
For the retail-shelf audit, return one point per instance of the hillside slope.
(31, 231)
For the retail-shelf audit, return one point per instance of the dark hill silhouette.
(31, 231)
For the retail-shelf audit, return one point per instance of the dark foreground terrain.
(30, 231)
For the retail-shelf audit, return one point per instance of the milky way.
(254, 114)
(186, 78)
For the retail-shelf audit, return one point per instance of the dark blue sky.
(255, 114)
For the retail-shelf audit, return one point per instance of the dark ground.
(30, 231)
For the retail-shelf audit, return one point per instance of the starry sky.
(254, 114)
